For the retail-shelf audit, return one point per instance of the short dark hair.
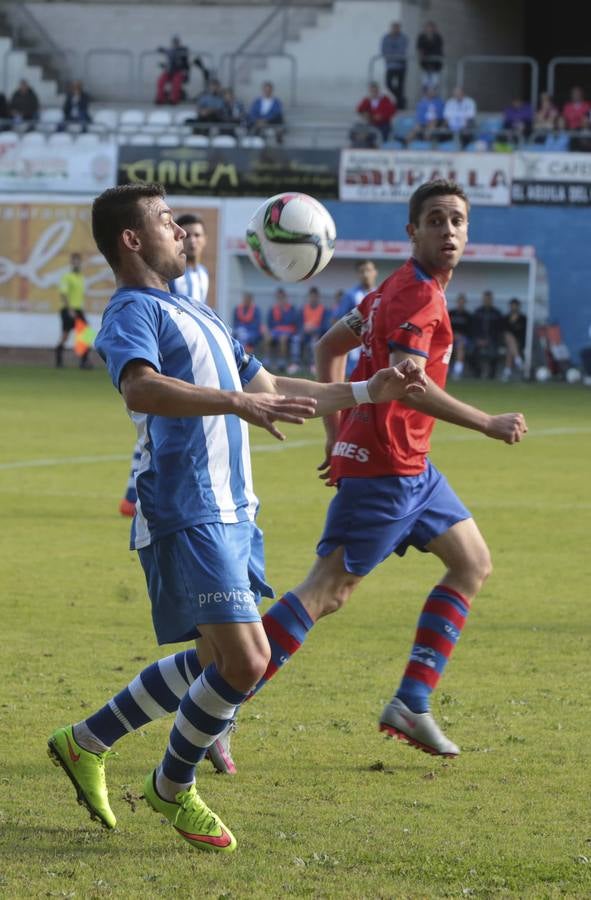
(190, 219)
(364, 262)
(439, 187)
(117, 209)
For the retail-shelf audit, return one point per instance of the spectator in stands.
(248, 325)
(234, 111)
(211, 107)
(514, 328)
(430, 53)
(547, 117)
(517, 119)
(459, 114)
(265, 111)
(76, 107)
(169, 88)
(314, 324)
(575, 113)
(394, 49)
(283, 334)
(5, 122)
(363, 135)
(461, 323)
(24, 104)
(487, 331)
(379, 108)
(429, 116)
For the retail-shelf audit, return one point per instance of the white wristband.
(360, 392)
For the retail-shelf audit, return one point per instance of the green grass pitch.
(323, 806)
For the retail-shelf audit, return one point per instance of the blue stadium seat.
(420, 145)
(403, 125)
(489, 126)
(392, 145)
(449, 146)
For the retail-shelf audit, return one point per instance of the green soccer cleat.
(191, 818)
(86, 771)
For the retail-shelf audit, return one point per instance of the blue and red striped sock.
(438, 631)
(286, 625)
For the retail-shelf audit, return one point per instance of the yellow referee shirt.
(72, 287)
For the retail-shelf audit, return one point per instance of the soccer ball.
(543, 373)
(291, 237)
(573, 375)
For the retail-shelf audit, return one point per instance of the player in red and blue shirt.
(389, 496)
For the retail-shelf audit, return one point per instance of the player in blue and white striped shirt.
(191, 389)
(193, 283)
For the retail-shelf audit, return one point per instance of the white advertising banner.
(552, 179)
(391, 176)
(55, 169)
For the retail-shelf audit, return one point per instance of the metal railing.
(504, 61)
(233, 58)
(21, 21)
(563, 61)
(413, 61)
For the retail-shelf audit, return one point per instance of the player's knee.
(244, 670)
(481, 566)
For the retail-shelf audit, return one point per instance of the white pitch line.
(279, 446)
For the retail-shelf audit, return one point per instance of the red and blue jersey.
(407, 312)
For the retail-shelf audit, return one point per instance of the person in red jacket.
(576, 112)
(380, 109)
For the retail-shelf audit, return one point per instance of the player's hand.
(396, 382)
(508, 427)
(324, 467)
(265, 409)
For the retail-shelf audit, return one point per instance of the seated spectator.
(514, 328)
(314, 324)
(380, 109)
(211, 108)
(547, 117)
(4, 113)
(429, 116)
(266, 110)
(283, 335)
(363, 135)
(461, 323)
(430, 53)
(24, 104)
(248, 325)
(575, 113)
(169, 88)
(234, 112)
(517, 119)
(459, 114)
(487, 331)
(76, 111)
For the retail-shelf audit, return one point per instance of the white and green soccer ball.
(291, 237)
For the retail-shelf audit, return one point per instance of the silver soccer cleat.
(219, 753)
(420, 730)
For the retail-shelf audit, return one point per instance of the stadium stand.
(114, 52)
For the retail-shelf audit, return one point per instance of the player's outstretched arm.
(386, 385)
(508, 427)
(147, 391)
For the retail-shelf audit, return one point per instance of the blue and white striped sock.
(205, 710)
(155, 692)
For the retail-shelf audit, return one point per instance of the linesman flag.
(84, 337)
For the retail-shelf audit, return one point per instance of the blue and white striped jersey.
(196, 469)
(194, 283)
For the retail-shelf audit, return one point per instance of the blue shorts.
(374, 517)
(204, 575)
